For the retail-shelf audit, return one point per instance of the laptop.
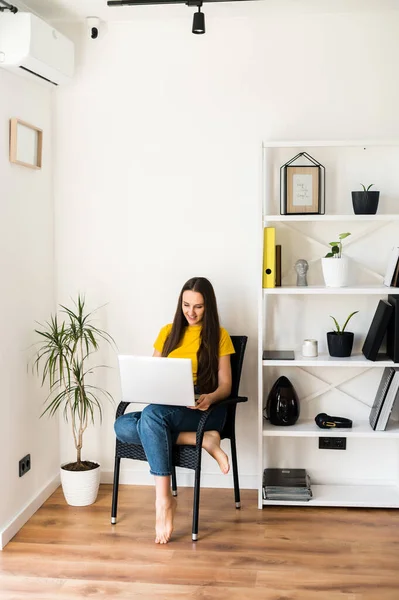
(156, 380)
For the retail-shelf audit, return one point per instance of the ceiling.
(56, 10)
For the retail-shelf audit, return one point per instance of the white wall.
(158, 165)
(27, 295)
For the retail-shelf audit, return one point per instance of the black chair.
(189, 457)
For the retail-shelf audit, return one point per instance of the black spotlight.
(199, 21)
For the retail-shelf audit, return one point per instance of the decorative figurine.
(301, 268)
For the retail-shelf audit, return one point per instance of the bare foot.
(211, 443)
(165, 512)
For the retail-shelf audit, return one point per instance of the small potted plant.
(335, 266)
(65, 358)
(365, 202)
(340, 342)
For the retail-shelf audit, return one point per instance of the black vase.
(340, 344)
(282, 406)
(365, 203)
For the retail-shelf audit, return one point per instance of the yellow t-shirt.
(190, 344)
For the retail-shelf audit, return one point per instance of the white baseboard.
(27, 511)
(184, 479)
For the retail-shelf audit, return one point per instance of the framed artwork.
(302, 187)
(26, 143)
(302, 190)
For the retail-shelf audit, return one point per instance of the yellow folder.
(269, 257)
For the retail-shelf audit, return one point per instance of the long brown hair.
(208, 352)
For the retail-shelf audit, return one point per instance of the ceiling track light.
(7, 6)
(198, 19)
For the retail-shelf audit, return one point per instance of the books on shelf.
(393, 329)
(385, 399)
(278, 265)
(286, 484)
(278, 355)
(391, 278)
(377, 330)
(269, 257)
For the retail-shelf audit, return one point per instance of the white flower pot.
(80, 487)
(335, 271)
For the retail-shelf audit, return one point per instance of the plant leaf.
(336, 324)
(347, 320)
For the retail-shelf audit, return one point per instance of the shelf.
(308, 428)
(325, 360)
(349, 217)
(330, 143)
(373, 496)
(366, 290)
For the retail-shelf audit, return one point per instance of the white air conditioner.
(32, 47)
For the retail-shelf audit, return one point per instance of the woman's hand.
(203, 402)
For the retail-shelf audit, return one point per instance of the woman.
(195, 333)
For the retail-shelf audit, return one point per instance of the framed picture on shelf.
(302, 190)
(302, 187)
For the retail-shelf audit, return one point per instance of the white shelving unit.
(367, 473)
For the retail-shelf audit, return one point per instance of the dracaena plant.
(340, 330)
(64, 353)
(336, 247)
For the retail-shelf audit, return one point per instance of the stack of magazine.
(286, 484)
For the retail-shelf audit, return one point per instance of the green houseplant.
(334, 265)
(64, 356)
(339, 341)
(365, 202)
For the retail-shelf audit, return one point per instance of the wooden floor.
(280, 553)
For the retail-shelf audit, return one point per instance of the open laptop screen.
(155, 380)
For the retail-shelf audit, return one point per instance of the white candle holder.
(309, 348)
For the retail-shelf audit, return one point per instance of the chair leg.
(197, 483)
(115, 490)
(235, 471)
(174, 483)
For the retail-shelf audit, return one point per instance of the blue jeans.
(157, 428)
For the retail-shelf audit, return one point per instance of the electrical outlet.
(24, 465)
(332, 443)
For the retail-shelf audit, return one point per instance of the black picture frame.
(377, 330)
(302, 186)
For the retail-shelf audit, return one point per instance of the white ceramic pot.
(335, 271)
(80, 487)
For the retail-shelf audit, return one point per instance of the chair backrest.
(237, 359)
(239, 343)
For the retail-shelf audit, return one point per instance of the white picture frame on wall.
(26, 142)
